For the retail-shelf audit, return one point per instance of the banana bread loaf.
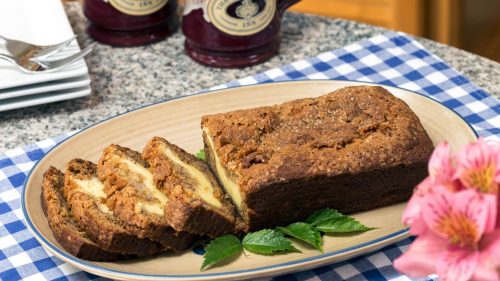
(133, 196)
(197, 203)
(354, 149)
(66, 230)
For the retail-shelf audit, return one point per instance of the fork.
(35, 65)
(19, 49)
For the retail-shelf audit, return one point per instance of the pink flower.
(440, 172)
(454, 243)
(479, 166)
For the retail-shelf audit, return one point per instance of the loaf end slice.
(86, 195)
(65, 229)
(197, 203)
(134, 197)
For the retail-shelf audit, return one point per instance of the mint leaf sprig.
(332, 221)
(266, 242)
(272, 241)
(220, 249)
(304, 232)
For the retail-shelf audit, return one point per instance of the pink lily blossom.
(451, 245)
(455, 212)
(479, 166)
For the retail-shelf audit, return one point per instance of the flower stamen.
(482, 178)
(459, 229)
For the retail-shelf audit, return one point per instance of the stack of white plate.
(42, 22)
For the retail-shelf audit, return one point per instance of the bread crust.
(187, 211)
(107, 230)
(125, 189)
(65, 229)
(292, 159)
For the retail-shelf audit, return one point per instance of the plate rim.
(123, 274)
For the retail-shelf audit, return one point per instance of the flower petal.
(489, 258)
(479, 166)
(457, 264)
(420, 259)
(491, 201)
(440, 168)
(412, 215)
(460, 217)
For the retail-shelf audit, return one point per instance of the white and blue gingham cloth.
(392, 59)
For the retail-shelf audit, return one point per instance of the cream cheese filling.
(203, 187)
(94, 188)
(229, 185)
(153, 208)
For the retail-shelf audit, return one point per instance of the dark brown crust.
(123, 196)
(108, 231)
(331, 151)
(186, 211)
(65, 229)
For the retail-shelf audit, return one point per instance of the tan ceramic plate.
(179, 121)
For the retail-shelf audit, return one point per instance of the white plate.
(40, 22)
(44, 87)
(42, 98)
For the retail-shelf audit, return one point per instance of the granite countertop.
(127, 78)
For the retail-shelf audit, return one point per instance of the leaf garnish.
(267, 241)
(220, 249)
(342, 225)
(201, 155)
(304, 232)
(323, 215)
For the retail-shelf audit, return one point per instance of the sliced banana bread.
(133, 196)
(354, 149)
(86, 195)
(196, 201)
(66, 230)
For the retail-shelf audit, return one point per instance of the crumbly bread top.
(351, 130)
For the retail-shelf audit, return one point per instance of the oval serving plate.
(178, 121)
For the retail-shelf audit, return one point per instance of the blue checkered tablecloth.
(392, 59)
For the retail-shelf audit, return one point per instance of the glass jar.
(130, 22)
(233, 33)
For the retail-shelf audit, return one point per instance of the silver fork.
(35, 65)
(22, 49)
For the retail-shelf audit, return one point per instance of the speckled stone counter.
(127, 78)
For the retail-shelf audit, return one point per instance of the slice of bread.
(133, 196)
(196, 201)
(86, 195)
(66, 230)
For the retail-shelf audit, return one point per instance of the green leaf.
(323, 215)
(201, 155)
(267, 241)
(341, 225)
(304, 232)
(220, 249)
